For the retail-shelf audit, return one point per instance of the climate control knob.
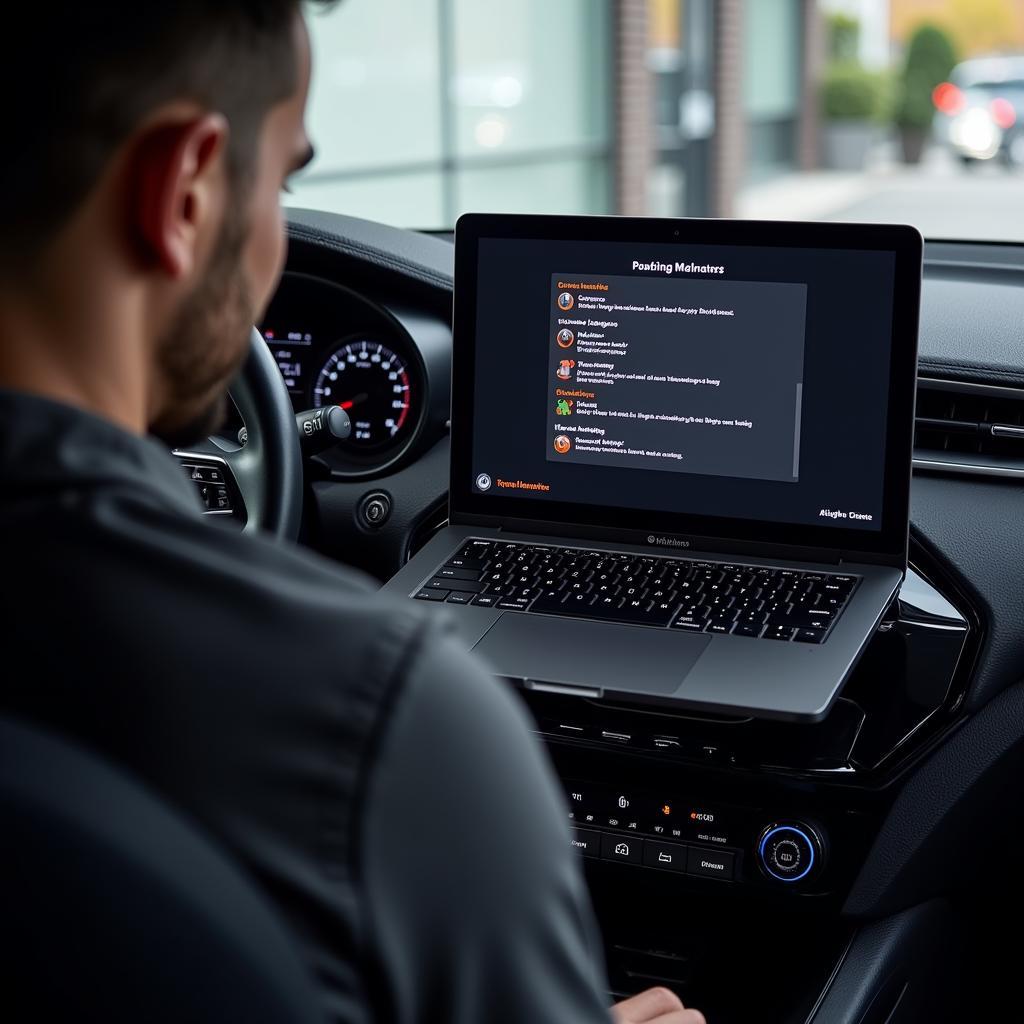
(790, 851)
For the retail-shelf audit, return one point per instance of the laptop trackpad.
(586, 653)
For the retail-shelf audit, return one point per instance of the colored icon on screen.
(565, 338)
(562, 444)
(563, 407)
(566, 301)
(565, 368)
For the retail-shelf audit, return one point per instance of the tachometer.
(372, 384)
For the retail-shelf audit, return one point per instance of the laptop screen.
(754, 388)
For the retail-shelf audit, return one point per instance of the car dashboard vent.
(969, 428)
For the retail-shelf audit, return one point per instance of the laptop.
(680, 456)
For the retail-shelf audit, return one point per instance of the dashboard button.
(374, 510)
(570, 729)
(624, 848)
(667, 856)
(710, 863)
(665, 743)
(789, 852)
(615, 737)
(585, 842)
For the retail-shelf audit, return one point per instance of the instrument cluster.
(334, 347)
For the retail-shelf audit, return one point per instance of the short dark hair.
(77, 78)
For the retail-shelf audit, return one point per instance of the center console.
(720, 851)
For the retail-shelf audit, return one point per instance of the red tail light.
(948, 99)
(1002, 112)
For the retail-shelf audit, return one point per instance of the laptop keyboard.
(670, 593)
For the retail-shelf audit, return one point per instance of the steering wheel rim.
(268, 468)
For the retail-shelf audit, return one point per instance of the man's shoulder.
(299, 596)
(125, 559)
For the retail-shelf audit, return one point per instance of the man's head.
(140, 222)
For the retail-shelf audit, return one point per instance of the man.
(384, 792)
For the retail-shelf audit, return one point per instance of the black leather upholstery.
(115, 909)
(366, 245)
(903, 970)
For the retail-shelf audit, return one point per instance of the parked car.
(980, 110)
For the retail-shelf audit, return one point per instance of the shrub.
(851, 93)
(843, 34)
(930, 58)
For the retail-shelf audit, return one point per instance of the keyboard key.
(459, 562)
(822, 616)
(744, 629)
(458, 597)
(809, 636)
(477, 550)
(577, 587)
(431, 595)
(469, 586)
(779, 632)
(832, 587)
(450, 573)
(718, 627)
(688, 622)
(485, 600)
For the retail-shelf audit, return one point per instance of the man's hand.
(655, 1006)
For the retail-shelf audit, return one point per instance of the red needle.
(346, 405)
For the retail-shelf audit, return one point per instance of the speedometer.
(371, 383)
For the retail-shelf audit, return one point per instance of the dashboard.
(333, 347)
(336, 347)
(895, 804)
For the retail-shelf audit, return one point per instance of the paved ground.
(942, 198)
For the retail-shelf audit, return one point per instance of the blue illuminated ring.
(803, 835)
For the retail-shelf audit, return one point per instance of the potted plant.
(930, 58)
(851, 99)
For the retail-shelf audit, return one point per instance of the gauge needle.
(354, 401)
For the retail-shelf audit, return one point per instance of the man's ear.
(180, 189)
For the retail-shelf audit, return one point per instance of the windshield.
(870, 110)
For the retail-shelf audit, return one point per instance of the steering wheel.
(267, 468)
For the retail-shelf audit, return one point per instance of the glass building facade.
(423, 109)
